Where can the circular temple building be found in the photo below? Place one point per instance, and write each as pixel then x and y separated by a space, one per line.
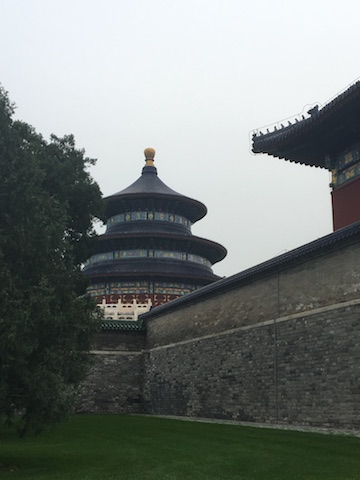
pixel 148 251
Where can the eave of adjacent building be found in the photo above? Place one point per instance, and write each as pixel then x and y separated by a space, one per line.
pixel 310 141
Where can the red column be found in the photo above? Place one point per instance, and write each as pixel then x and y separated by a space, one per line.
pixel 346 204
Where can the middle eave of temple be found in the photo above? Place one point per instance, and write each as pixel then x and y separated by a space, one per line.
pixel 197 245
pixel 325 132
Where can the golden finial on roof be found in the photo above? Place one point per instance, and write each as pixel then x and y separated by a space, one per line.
pixel 149 157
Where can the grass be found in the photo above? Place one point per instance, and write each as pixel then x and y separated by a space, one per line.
pixel 134 447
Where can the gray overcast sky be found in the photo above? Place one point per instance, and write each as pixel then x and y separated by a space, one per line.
pixel 191 78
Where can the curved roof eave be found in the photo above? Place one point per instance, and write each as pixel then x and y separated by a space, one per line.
pixel 308 141
pixel 150 185
pixel 216 251
pixel 175 270
pixel 195 209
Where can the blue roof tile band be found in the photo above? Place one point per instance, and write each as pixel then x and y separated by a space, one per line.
pixel 123 325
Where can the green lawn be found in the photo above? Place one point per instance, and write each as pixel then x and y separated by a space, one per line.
pixel 134 447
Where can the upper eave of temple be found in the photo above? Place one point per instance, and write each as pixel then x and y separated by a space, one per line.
pixel 149 186
pixel 315 139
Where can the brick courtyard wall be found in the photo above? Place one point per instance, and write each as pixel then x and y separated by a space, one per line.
pixel 114 382
pixel 279 346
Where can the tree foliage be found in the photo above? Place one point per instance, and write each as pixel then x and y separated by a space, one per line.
pixel 48 202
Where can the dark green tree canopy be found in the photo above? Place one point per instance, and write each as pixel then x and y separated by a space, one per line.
pixel 48 202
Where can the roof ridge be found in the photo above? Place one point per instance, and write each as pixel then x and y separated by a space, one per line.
pixel 261 268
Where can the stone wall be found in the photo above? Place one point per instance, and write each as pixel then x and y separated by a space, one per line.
pixel 114 383
pixel 281 345
pixel 318 368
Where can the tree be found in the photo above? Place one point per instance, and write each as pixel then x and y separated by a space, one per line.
pixel 48 202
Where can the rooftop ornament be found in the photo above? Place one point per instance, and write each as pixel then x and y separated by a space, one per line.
pixel 149 156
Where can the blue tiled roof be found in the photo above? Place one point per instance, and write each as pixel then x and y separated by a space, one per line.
pixel 150 185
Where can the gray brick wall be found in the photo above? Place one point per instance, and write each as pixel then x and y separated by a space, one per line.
pixel 302 371
pixel 318 369
pixel 229 376
pixel 281 348
pixel 114 382
pixel 284 348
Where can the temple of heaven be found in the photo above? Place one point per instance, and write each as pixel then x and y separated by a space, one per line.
pixel 148 251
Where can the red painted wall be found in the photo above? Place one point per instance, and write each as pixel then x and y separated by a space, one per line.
pixel 346 204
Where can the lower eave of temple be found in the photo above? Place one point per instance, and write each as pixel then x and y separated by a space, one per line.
pixel 198 278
